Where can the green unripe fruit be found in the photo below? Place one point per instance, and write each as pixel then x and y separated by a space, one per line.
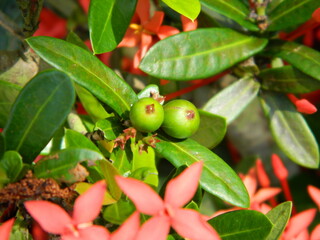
pixel 181 119
pixel 146 115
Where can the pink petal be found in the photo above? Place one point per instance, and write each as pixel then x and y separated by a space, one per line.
pixel 316 15
pixel 156 228
pixel 314 194
pixel 181 189
pixel 130 39
pixel 304 235
pixel 189 224
pixel 279 168
pixel 143 10
pixel 93 232
pixel 51 217
pixel 264 194
pixel 262 174
pixel 146 41
pixel 146 200
pixel 299 223
pixel 129 229
pixel 304 106
pixel 315 234
pixel 155 22
pixel 250 181
pixel 188 24
pixel 88 205
pixel 166 31
pixel 5 229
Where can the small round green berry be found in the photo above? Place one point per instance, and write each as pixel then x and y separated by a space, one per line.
pixel 181 119
pixel 146 115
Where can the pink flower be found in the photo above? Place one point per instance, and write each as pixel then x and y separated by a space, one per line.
pixel 169 212
pixel 314 193
pixel 5 229
pixel 302 105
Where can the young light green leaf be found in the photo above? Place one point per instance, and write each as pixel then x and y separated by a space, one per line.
pixel 290 130
pixel 11 162
pixel 75 139
pixel 305 59
pixel 117 213
pixel 120 159
pixel 87 71
pixel 211 131
pixel 188 8
pixel 279 216
pixel 111 127
pixel 291 13
pixel 287 79
pixel 199 54
pixel 217 178
pixel 34 117
pixel 233 9
pixel 242 224
pixel 231 101
pixel 108 22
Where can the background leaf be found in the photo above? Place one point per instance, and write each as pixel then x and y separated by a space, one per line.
pixel 290 130
pixel 241 224
pixel 290 13
pixel 188 8
pixel 233 9
pixel 217 177
pixel 108 22
pixel 75 139
pixel 82 187
pixel 34 117
pixel 231 101
pixel 111 127
pixel 199 54
pixel 87 71
pixel 211 131
pixel 117 213
pixel 11 162
pixel 288 79
pixel 279 216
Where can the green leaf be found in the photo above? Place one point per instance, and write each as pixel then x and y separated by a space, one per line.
pixel 291 13
pixel 59 165
pixel 233 9
pixel 305 59
pixel 217 178
pixel 11 162
pixel 40 109
pixel 87 71
pixel 232 100
pixel 199 54
pixel 148 91
pixel 241 224
pixel 75 139
pixel 211 131
pixel 188 8
pixel 8 93
pixel 288 79
pixel 279 216
pixel 82 187
pixel 290 130
pixel 120 159
pixel 108 22
pixel 117 213
pixel 2 145
pixel 76 40
pixel 111 127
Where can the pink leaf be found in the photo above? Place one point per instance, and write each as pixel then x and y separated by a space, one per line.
pixel 5 229
pixel 264 194
pixel 51 217
pixel 315 235
pixel 156 228
pixel 88 205
pixel 314 194
pixel 146 200
pixel 189 224
pixel 181 189
pixel 129 229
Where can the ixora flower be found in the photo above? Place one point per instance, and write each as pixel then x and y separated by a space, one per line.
pixel 53 219
pixel 5 229
pixel 188 223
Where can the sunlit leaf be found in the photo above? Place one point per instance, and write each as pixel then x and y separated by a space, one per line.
pixel 83 187
pixel 188 8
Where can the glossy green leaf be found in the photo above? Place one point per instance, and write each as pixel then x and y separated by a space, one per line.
pixel 8 93
pixel 279 216
pixel 145 160
pixel 305 59
pixel 108 22
pixel 59 165
pixel 241 224
pixel 120 159
pixel 199 54
pixel 117 213
pixel 233 9
pixel 76 40
pixel 231 101
pixel 291 13
pixel 148 91
pixel 111 127
pixel 288 79
pixel 218 178
pixel 34 117
pixel 75 139
pixel 2 145
pixel 11 162
pixel 211 131
pixel 290 130
pixel 188 8
pixel 87 71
